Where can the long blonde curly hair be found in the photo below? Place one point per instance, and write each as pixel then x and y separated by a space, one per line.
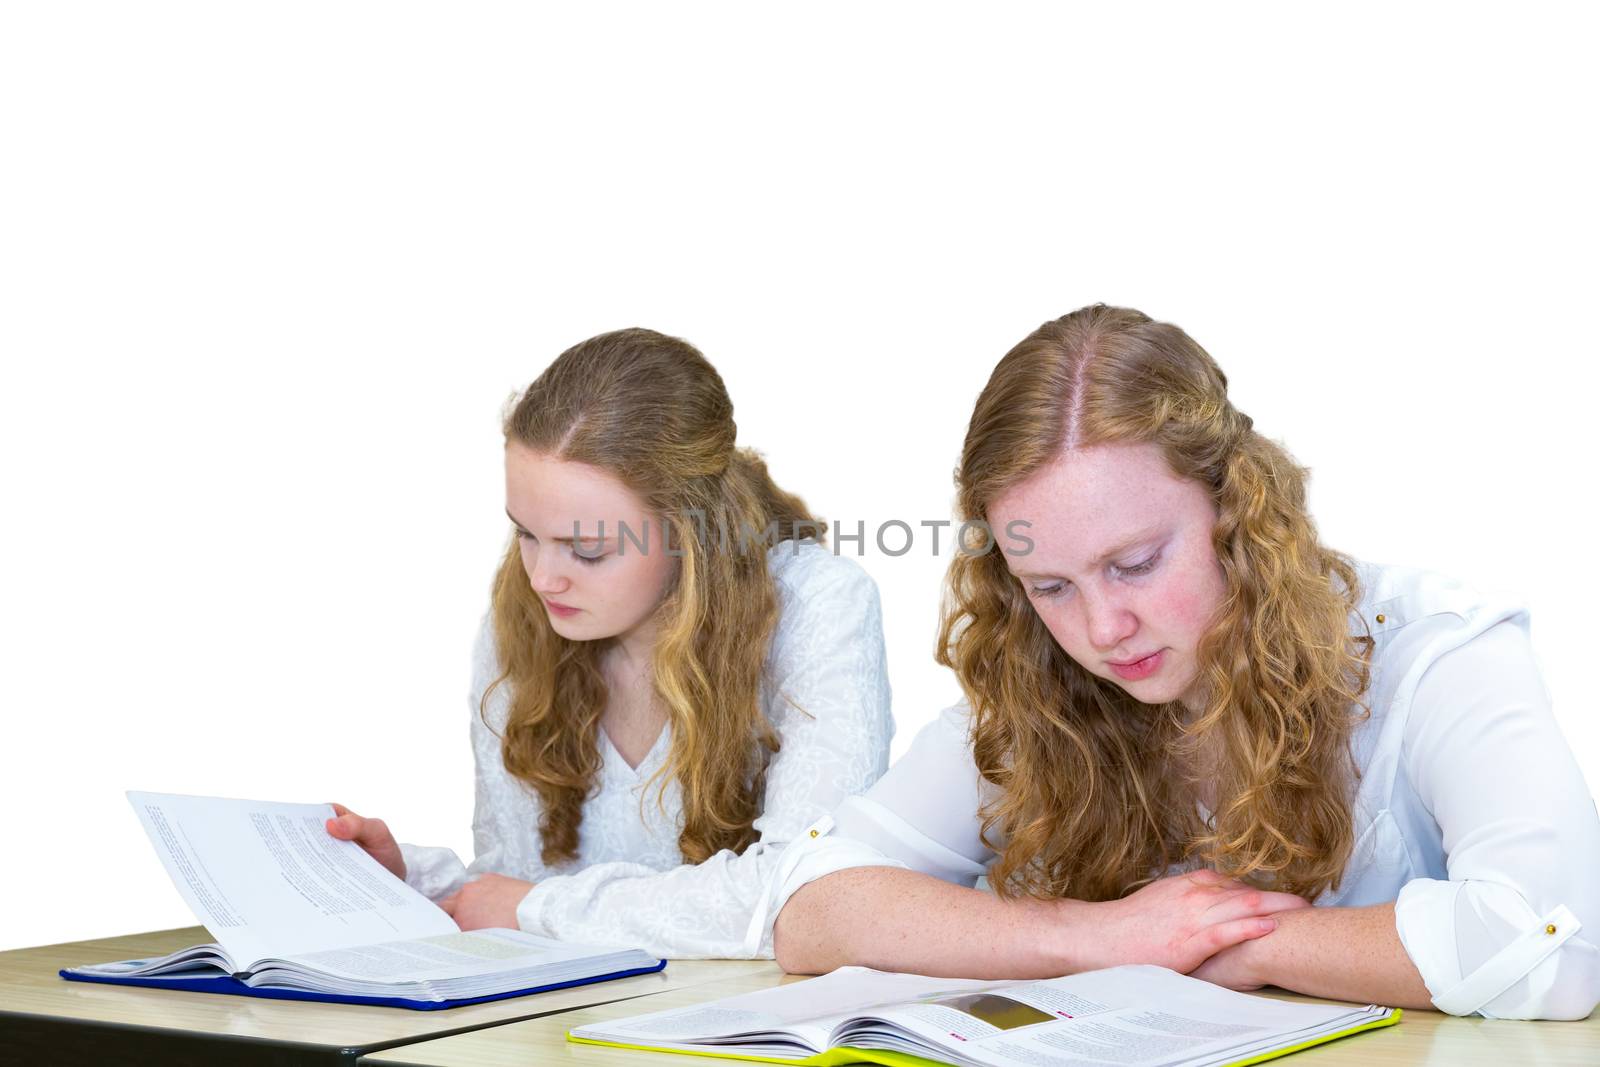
pixel 651 410
pixel 1096 792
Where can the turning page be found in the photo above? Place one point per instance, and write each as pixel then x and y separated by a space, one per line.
pixel 268 880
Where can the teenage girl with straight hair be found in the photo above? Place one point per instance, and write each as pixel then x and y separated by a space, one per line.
pixel 674 678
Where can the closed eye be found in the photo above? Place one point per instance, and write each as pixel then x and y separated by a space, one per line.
pixel 590 556
pixel 1141 568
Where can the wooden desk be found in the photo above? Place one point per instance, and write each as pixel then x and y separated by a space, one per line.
pixel 46 1019
pixel 1423 1037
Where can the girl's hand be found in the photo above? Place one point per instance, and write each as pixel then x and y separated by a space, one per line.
pixel 1233 967
pixel 488 901
pixel 1178 922
pixel 372 835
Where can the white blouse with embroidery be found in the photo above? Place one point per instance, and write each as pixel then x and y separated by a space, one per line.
pixel 1471 813
pixel 630 884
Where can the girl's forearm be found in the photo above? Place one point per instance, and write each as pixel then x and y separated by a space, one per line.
pixel 899 920
pixel 1349 954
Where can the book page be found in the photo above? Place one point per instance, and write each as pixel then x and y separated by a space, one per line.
pixel 446 956
pixel 267 879
pixel 1135 1015
pixel 807 1010
pixel 1138 1016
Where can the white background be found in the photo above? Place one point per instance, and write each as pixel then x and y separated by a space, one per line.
pixel 268 274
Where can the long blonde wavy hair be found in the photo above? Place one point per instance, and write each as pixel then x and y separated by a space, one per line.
pixel 1095 791
pixel 652 411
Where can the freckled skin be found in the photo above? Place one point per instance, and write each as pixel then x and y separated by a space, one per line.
pixel 1080 506
pixel 1089 501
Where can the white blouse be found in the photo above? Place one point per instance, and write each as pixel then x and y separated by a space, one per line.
pixel 629 884
pixel 1471 812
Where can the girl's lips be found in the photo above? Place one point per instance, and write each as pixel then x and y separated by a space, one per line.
pixel 560 609
pixel 1143 668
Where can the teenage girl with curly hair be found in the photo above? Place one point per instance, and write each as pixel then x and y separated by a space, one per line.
pixel 1186 718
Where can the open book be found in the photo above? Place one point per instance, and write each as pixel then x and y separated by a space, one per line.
pixel 1136 1016
pixel 299 914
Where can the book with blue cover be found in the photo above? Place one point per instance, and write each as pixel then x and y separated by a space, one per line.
pixel 301 915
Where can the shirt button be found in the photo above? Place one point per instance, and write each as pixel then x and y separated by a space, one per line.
pixel 1380 618
pixel 1550 928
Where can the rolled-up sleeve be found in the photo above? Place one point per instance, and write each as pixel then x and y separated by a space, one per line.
pixel 922 815
pixel 1511 932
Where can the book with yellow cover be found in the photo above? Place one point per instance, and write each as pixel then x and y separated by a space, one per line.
pixel 1135 1016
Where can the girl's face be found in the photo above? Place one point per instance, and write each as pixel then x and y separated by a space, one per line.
pixel 1122 570
pixel 592 586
